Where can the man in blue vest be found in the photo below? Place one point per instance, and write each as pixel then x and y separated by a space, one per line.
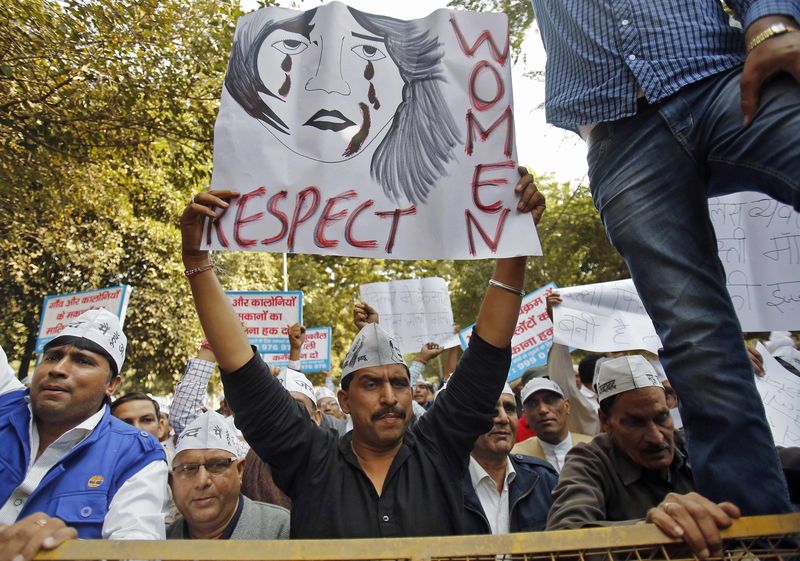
pixel 66 457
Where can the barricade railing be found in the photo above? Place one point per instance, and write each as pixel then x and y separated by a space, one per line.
pixel 755 538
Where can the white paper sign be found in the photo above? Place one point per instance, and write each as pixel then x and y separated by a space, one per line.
pixel 604 317
pixel 348 133
pixel 758 242
pixel 533 335
pixel 60 309
pixel 780 392
pixel 414 311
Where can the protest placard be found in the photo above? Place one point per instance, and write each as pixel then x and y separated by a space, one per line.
pixel 59 309
pixel 758 242
pixel 414 311
pixel 267 317
pixel 353 134
pixel 315 356
pixel 533 335
pixel 780 392
pixel 604 317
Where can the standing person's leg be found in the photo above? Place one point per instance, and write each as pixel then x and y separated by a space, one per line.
pixel 651 194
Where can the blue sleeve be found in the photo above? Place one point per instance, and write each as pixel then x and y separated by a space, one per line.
pixel 751 10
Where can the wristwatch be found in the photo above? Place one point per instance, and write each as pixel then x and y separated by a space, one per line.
pixel 778 28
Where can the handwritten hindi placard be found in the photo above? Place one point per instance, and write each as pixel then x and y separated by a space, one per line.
pixel 315 356
pixel 414 311
pixel 267 317
pixel 758 242
pixel 350 133
pixel 780 392
pixel 59 309
pixel 533 335
pixel 604 317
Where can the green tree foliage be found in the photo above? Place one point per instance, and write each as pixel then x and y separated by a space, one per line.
pixel 106 120
pixel 106 125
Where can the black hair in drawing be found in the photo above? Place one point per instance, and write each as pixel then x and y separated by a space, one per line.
pixel 419 143
pixel 242 79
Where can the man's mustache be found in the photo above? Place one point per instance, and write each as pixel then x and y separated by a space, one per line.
pixel 657 448
pixel 389 410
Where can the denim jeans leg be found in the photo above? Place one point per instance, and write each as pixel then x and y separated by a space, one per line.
pixel 650 189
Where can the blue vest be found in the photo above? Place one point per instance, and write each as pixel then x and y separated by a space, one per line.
pixel 79 488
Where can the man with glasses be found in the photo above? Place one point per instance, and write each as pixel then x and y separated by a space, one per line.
pixel 206 483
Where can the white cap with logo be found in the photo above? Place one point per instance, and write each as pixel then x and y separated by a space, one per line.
pixel 540 384
pixel 295 381
pixel 102 328
pixel 623 374
pixel 371 347
pixel 209 431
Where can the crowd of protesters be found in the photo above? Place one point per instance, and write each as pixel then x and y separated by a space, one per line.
pixel 614 439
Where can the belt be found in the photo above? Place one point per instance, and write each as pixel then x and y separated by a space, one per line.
pixel 601 131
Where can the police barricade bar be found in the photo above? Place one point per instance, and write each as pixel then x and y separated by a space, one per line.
pixel 762 538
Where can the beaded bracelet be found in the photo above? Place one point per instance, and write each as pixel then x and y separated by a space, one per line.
pixel 509 288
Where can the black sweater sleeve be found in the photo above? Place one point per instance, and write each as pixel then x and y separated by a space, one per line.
pixel 277 428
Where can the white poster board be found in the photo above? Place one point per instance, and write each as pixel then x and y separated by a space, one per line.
pixel 780 392
pixel 59 309
pixel 315 356
pixel 348 133
pixel 533 335
pixel 758 242
pixel 604 317
pixel 267 317
pixel 414 311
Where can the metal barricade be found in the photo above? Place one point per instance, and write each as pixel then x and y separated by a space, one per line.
pixel 756 538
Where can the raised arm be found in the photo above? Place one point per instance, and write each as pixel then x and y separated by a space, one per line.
pixel 222 327
pixel 297 336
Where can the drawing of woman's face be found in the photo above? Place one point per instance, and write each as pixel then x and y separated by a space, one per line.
pixel 336 89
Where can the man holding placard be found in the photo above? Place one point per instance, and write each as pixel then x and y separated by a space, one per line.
pixel 380 480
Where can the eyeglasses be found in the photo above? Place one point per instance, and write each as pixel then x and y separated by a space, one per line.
pixel 213 467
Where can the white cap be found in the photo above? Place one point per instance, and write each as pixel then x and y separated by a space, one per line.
pixel 295 381
pixel 507 389
pixel 324 392
pixel 656 364
pixel 163 403
pixel 100 327
pixel 540 384
pixel 371 347
pixel 209 431
pixel 4 366
pixel 623 374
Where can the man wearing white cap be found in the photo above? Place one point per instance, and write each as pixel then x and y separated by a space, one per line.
pixel 206 482
pixel 506 492
pixel 547 411
pixel 327 403
pixel 67 456
pixel 379 480
pixel 301 390
pixel 638 469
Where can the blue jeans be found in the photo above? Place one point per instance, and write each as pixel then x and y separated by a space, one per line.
pixel 650 179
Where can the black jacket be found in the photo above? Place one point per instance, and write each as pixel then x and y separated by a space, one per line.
pixel 529 497
pixel 331 496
